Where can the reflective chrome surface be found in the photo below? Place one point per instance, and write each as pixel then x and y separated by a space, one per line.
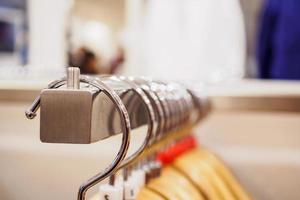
pixel 82 109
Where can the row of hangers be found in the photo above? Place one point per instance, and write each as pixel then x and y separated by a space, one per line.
pixel 193 173
pixel 181 171
pixel 167 165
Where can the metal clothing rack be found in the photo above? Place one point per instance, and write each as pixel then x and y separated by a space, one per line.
pixel 83 109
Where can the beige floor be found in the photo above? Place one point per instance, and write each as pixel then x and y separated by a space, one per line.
pixel 262 148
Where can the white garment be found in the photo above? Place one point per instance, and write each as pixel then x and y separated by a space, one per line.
pixel 191 39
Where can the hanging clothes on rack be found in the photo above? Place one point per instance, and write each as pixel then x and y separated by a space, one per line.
pixel 195 173
pixel 167 165
pixel 278 43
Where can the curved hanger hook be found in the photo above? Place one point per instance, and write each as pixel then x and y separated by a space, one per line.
pixel 145 86
pixel 160 90
pixel 154 88
pixel 203 105
pixel 31 113
pixel 114 166
pixel 152 125
pixel 34 107
pixel 175 106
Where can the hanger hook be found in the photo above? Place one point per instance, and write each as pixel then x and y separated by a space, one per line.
pixel 152 125
pixel 31 113
pixel 113 167
pixel 34 107
pixel 146 87
pixel 126 129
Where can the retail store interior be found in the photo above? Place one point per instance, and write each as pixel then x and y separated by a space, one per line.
pixel 241 57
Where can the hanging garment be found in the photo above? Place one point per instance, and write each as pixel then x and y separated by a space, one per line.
pixel 206 37
pixel 196 175
pixel 203 176
pixel 173 185
pixel 278 47
pixel 147 194
pixel 223 172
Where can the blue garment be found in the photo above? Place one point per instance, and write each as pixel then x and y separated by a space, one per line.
pixel 278 48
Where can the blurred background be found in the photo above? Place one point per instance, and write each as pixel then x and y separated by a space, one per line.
pixel 245 55
pixel 213 41
pixel 199 40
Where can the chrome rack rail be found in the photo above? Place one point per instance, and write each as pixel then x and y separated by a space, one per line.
pixel 82 109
